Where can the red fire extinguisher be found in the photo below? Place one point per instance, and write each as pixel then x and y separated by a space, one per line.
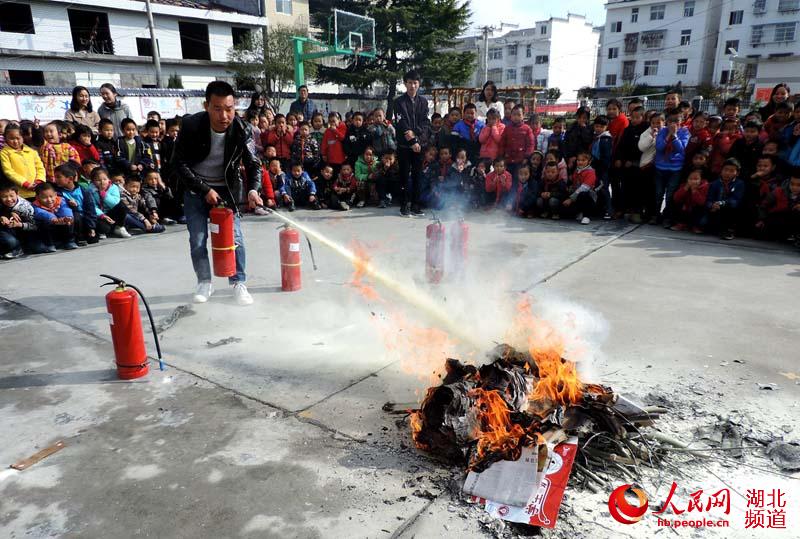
pixel 290 258
pixel 459 243
pixel 434 251
pixel 223 247
pixel 126 329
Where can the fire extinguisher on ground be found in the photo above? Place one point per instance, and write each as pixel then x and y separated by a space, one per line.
pixel 126 329
pixel 291 263
pixel 223 245
pixel 434 251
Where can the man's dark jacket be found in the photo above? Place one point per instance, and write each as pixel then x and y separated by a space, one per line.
pixel 193 145
pixel 411 114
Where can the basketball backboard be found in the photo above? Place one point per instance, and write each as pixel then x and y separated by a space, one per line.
pixel 353 33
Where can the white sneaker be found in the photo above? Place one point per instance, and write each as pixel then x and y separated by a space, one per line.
pixel 261 210
pixel 585 221
pixel 203 292
pixel 241 294
pixel 122 232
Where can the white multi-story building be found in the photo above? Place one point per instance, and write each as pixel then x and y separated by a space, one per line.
pixel 764 37
pixel 554 53
pixel 660 42
pixel 88 42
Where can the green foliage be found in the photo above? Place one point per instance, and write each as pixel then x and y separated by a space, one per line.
pixel 586 92
pixel 709 91
pixel 552 94
pixel 175 81
pixel 409 34
pixel 273 72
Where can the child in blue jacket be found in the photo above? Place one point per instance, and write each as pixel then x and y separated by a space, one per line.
pixel 671 143
pixel 111 212
pixel 80 201
pixel 301 188
pixel 724 201
pixel 54 219
pixel 602 148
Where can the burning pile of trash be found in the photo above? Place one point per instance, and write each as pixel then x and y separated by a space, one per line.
pixel 523 424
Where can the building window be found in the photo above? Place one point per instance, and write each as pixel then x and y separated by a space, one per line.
pixel 653 39
pixel 732 44
pixel 542 59
pixel 750 71
pixel 736 17
pixel 683 64
pixel 20 77
pixel 17 18
pixel 194 41
pixel 511 75
pixel 528 51
pixel 543 30
pixel 144 46
pixel 90 32
pixel 512 50
pixel 628 70
pixel 631 42
pixel 657 12
pixel 283 6
pixel 613 52
pixel 540 82
pixel 527 75
pixel 616 27
pixel 686 37
pixel 688 8
pixel 724 76
pixel 756 35
pixel 496 54
pixel 784 32
pixel 650 68
pixel 611 80
pixel 789 5
pixel 495 74
pixel 241 36
pixel 760 6
pixel 635 14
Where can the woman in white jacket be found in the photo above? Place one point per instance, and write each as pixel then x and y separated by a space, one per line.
pixel 488 100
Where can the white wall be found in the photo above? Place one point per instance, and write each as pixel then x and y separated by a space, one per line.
pixel 573 58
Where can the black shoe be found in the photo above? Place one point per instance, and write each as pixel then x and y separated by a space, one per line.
pixel 82 243
pixel 728 235
pixel 291 207
pixel 383 204
pixel 405 210
pixel 416 211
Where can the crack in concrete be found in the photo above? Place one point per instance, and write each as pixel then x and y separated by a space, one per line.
pixel 585 255
pixel 410 521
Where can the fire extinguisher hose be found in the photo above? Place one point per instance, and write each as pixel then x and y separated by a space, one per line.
pixel 119 282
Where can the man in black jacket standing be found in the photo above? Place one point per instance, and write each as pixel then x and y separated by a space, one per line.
pixel 413 130
pixel 207 154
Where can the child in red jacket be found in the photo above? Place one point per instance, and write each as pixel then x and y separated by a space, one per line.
pixel 582 198
pixel 82 142
pixel 722 143
pixel 516 142
pixel 333 143
pixel 281 138
pixel 690 203
pixel 773 202
pixel 498 183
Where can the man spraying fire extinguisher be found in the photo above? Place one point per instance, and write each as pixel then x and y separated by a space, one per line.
pixel 207 154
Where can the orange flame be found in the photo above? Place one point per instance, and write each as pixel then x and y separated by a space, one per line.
pixel 360 265
pixel 496 433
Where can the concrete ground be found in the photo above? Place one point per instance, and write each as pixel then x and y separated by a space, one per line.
pixel 280 432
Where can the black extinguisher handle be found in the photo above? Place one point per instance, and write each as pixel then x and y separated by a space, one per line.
pixel 310 250
pixel 119 282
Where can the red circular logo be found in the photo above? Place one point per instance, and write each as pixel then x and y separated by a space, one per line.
pixel 624 512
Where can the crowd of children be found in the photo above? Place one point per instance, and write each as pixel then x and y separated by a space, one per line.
pixel 64 185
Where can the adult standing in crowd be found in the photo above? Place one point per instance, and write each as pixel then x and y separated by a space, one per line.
pixel 780 93
pixel 210 147
pixel 260 104
pixel 80 109
pixel 303 104
pixel 413 128
pixel 113 108
pixel 488 100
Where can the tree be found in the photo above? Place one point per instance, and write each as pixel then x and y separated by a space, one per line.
pixel 552 94
pixel 273 72
pixel 586 92
pixel 175 81
pixel 408 34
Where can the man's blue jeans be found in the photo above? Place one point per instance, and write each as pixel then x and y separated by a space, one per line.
pixel 196 211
